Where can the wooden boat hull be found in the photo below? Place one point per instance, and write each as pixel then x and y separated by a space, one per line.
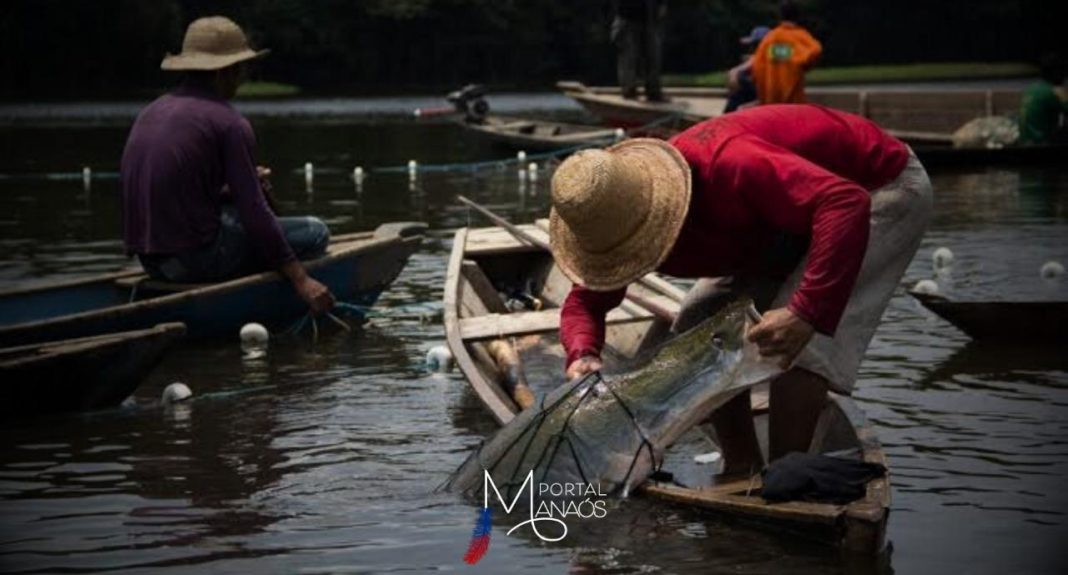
pixel 683 110
pixel 925 118
pixel 1002 321
pixel 80 374
pixel 487 262
pixel 921 110
pixel 540 135
pixel 357 268
pixel 935 155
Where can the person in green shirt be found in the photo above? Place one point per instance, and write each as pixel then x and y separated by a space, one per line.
pixel 1043 108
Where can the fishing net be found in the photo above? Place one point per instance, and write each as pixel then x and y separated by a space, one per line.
pixel 571 440
pixel 610 431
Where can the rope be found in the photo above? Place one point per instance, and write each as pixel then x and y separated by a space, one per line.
pixel 352 310
pixel 586 388
pixel 424 168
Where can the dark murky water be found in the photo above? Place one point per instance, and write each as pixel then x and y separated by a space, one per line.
pixel 325 458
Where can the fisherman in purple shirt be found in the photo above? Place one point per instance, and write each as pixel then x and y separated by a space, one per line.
pixel 194 204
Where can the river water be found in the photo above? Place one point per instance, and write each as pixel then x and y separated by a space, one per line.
pixel 325 458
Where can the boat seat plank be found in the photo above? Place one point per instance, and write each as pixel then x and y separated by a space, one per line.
pixel 719 498
pixel 496 325
pixel 486 241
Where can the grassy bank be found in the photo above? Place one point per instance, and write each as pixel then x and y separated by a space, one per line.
pixel 938 71
pixel 267 90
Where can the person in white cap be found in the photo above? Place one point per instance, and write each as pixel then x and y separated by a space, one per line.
pixel 194 207
pixel 815 213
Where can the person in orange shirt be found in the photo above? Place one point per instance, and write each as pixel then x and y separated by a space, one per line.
pixel 783 57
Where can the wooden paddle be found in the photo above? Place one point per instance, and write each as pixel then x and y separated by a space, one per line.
pixel 657 310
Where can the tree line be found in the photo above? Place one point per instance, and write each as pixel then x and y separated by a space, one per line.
pixel 67 49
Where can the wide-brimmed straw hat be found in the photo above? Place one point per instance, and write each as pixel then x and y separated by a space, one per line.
pixel 211 43
pixel 617 212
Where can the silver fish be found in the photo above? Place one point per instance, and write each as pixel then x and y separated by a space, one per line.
pixel 612 431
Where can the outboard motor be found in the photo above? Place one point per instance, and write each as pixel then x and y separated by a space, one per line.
pixel 470 101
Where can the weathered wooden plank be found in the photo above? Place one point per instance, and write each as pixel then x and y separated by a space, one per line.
pixel 482 288
pixel 474 368
pixel 710 498
pixel 494 325
pixel 487 241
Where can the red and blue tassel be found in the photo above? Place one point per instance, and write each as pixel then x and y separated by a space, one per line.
pixel 480 537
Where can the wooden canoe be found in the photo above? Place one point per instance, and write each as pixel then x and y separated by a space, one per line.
pixel 925 118
pixel 356 268
pixel 541 135
pixel 1030 321
pixel 685 108
pixel 916 111
pixel 947 155
pixel 488 262
pixel 80 374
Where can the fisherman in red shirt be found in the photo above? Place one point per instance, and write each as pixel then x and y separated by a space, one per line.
pixel 815 213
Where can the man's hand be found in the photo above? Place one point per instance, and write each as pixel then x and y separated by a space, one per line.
pixel 781 333
pixel 315 294
pixel 582 366
pixel 264 175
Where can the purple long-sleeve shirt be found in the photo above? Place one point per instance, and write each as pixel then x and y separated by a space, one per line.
pixel 181 150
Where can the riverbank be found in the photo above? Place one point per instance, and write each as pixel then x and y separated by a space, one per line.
pixel 892 73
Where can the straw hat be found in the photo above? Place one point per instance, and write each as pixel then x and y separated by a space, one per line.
pixel 617 212
pixel 211 43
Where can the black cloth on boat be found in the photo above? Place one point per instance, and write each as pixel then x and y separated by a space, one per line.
pixel 811 477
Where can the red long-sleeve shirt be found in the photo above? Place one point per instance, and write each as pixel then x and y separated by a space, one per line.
pixel 798 169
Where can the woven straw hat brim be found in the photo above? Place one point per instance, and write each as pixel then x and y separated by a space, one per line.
pixel 203 61
pixel 646 249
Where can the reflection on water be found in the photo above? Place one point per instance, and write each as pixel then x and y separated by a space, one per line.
pixel 326 458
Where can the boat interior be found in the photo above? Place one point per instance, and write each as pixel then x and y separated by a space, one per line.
pixel 508 290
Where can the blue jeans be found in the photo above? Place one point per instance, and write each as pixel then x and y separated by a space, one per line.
pixel 232 254
pixel 745 93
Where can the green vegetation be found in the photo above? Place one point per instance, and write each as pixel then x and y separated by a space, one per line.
pixel 114 47
pixel 886 73
pixel 267 90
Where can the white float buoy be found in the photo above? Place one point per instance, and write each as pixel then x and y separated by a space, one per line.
pixel 413 167
pixel 87 178
pixel 357 178
pixel 417 112
pixel 707 458
pixel 929 287
pixel 1052 270
pixel 942 258
pixel 439 359
pixel 532 170
pixel 521 157
pixel 620 134
pixel 176 392
pixel 309 176
pixel 254 337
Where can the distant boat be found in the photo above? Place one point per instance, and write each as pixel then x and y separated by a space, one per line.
pixel 687 106
pixel 80 374
pixel 482 319
pixel 1028 321
pixel 1020 155
pixel 541 135
pixel 356 268
pixel 924 118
